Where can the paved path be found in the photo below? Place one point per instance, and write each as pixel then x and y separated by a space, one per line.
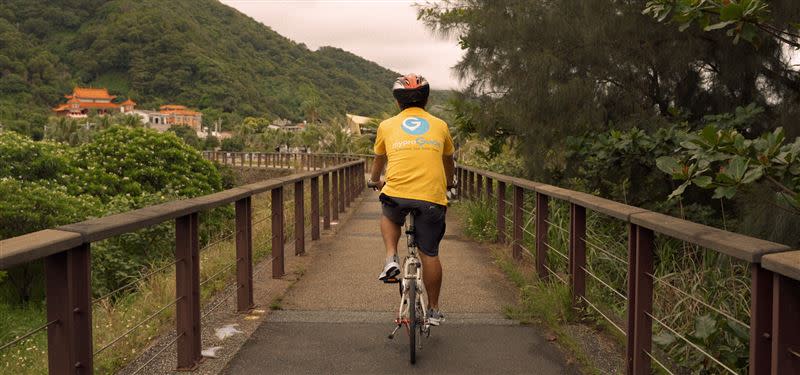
pixel 336 318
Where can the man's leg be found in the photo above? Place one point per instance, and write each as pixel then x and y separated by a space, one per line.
pixel 391 235
pixel 432 277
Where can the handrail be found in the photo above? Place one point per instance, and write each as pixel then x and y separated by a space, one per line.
pixel 66 250
pixel 775 269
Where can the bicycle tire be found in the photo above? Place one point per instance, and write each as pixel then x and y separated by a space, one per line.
pixel 412 322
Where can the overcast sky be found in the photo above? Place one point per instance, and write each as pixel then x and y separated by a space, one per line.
pixel 384 31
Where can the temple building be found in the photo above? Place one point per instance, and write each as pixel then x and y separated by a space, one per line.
pixel 84 100
pixel 180 115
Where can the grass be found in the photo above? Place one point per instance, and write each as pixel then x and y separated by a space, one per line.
pixel 684 274
pixel 112 318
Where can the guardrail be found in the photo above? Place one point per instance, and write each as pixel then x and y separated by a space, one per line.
pixel 66 251
pixel 282 159
pixel 774 325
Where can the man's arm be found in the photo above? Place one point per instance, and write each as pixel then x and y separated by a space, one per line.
pixel 377 169
pixel 449 168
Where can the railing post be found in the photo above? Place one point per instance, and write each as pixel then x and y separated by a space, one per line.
pixel 299 218
pixel 631 315
pixel 643 301
pixel 277 232
pixel 68 283
pixel 335 195
pixel 315 208
pixel 346 187
pixel 577 254
pixel 259 159
pixel 489 189
pixel 250 156
pixel 244 255
pixel 518 202
pixel 478 186
pixel 326 201
pixel 187 290
pixel 501 211
pixel 241 156
pixel 785 325
pixel 225 158
pixel 342 198
pixel 542 212
pixel 760 319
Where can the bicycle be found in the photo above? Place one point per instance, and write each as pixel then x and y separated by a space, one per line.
pixel 412 292
pixel 412 289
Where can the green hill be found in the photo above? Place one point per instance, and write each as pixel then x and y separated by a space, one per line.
pixel 200 53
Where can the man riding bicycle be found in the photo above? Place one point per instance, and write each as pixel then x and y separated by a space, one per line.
pixel 419 151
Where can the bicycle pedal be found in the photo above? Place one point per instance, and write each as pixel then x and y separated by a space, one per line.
pixel 391 280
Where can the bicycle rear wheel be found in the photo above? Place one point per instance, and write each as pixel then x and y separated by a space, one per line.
pixel 412 322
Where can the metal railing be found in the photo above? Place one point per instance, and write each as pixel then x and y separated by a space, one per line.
pixel 66 252
pixel 774 326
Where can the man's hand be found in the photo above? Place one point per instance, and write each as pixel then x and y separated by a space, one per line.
pixel 376 185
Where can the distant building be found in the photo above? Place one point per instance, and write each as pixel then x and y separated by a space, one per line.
pixel 355 122
pixel 84 100
pixel 180 115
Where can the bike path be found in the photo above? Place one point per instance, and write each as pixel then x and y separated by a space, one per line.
pixel 336 319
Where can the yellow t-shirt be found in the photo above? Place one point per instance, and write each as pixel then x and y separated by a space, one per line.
pixel 414 142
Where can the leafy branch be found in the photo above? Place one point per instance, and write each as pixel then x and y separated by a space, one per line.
pixel 723 160
pixel 743 19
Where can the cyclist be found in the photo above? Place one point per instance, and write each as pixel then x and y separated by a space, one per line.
pixel 419 151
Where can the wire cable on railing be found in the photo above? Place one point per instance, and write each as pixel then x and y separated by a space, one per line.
pixel 134 282
pixel 699 349
pixel 604 283
pixel 218 241
pixel 528 232
pixel 604 315
pixel 659 363
pixel 215 275
pixel 556 226
pixel 527 211
pixel 606 252
pixel 794 353
pixel 154 356
pixel 712 308
pixel 26 335
pixel 556 251
pixel 221 300
pixel 555 274
pixel 141 323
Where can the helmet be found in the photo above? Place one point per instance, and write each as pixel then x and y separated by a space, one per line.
pixel 411 88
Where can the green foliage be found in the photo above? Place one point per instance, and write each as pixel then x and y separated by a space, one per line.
pixel 188 135
pixel 134 161
pixel 587 67
pixel 480 220
pixel 729 339
pixel 203 54
pixel 725 161
pixel 28 206
pixel 742 19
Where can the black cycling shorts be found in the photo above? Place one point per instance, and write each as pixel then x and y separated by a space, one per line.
pixel 428 220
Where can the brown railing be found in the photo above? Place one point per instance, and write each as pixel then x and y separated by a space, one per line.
pixel 774 343
pixel 66 252
pixel 284 160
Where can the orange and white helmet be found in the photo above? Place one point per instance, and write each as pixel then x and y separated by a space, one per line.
pixel 411 88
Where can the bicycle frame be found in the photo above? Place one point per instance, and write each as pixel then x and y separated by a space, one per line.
pixel 412 273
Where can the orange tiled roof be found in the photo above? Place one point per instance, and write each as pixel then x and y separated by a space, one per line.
pixel 61 108
pixel 86 92
pixel 172 107
pixel 128 102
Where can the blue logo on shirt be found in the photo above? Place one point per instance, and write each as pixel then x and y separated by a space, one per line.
pixel 415 125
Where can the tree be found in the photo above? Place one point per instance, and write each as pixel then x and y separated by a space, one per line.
pixel 188 135
pixel 538 71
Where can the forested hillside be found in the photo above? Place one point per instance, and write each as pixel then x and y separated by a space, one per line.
pixel 199 53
